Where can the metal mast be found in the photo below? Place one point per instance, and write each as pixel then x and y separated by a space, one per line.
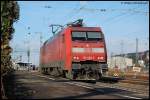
pixel 137 51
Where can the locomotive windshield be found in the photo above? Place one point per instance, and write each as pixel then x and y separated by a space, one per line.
pixel 87 36
pixel 78 36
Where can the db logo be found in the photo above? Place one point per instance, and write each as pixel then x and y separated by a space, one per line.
pixel 87 45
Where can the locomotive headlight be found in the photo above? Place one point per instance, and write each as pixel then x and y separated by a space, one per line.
pixel 100 57
pixel 78 50
pixel 75 57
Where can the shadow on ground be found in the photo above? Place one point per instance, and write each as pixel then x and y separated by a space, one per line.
pixel 15 90
pixel 103 91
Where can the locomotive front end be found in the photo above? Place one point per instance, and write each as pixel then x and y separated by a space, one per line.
pixel 89 57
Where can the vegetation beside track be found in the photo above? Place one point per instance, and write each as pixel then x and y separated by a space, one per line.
pixel 9 15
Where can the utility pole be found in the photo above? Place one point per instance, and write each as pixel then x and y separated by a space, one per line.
pixel 28 51
pixel 111 60
pixel 122 44
pixel 136 51
pixel 136 62
pixel 20 58
pixel 122 63
pixel 41 38
pixel 28 54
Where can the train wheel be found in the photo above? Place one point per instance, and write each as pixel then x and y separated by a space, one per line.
pixel 42 70
pixel 100 75
pixel 56 72
pixel 64 74
pixel 60 71
pixel 69 75
pixel 97 75
pixel 53 71
pixel 75 75
pixel 104 73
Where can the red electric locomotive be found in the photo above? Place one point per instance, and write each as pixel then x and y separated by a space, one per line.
pixel 75 52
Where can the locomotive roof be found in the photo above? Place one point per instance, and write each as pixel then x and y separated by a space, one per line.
pixel 85 28
pixel 75 29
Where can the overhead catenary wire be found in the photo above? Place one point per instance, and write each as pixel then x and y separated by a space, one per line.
pixel 125 12
pixel 70 17
pixel 73 13
pixel 115 10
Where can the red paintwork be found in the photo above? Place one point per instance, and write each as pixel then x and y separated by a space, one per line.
pixel 60 48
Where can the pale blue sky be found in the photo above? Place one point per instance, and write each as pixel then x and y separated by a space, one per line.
pixel 120 22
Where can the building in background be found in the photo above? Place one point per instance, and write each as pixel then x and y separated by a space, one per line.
pixel 127 61
pixel 121 63
pixel 23 66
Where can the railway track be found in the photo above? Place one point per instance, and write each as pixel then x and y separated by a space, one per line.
pixel 101 86
pixel 127 87
pixel 121 80
pixel 108 79
pixel 107 82
pixel 46 86
pixel 141 89
pixel 135 81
